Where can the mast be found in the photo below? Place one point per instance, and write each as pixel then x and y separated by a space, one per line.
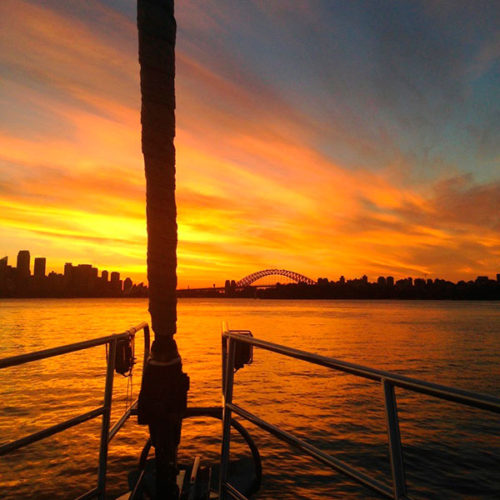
pixel 162 400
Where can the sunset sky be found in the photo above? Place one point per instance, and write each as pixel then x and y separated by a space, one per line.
pixel 325 137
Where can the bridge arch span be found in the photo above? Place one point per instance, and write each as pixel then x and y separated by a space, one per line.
pixel 299 278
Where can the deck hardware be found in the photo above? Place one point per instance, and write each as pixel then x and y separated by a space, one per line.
pixel 388 380
pixel 125 356
pixel 104 410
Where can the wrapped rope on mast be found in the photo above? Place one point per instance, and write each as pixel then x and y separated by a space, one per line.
pixel 162 400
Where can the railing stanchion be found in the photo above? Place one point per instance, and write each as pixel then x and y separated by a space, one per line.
pixel 104 410
pixel 224 358
pixel 147 342
pixel 226 418
pixel 106 416
pixel 396 453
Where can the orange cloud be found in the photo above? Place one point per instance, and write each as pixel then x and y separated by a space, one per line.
pixel 254 189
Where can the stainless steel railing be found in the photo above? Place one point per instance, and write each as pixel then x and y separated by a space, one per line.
pixel 104 410
pixel 387 380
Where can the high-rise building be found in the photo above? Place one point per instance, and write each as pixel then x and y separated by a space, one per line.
pixel 390 281
pixel 3 271
pixel 23 264
pixel 104 276
pixel 83 275
pixel 127 285
pixel 68 270
pixel 39 267
pixel 116 283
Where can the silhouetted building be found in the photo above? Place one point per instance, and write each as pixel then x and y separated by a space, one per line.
pixel 127 285
pixel 498 278
pixel 39 267
pixel 390 281
pixel 3 265
pixel 77 281
pixel 115 283
pixel 93 281
pixel 69 278
pixel 404 284
pixel 381 281
pixel 3 273
pixel 68 270
pixel 229 288
pixel 56 284
pixel 23 264
pixel 83 275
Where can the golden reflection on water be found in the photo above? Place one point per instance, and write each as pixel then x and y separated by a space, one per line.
pixel 451 343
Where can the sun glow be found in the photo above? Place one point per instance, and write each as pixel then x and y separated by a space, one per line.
pixel 272 171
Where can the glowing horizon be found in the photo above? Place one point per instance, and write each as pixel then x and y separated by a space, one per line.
pixel 320 139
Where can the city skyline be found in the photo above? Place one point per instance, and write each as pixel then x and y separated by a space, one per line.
pixel 357 137
pixel 80 280
pixel 84 280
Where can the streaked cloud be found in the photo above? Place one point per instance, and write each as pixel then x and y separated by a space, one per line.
pixel 326 138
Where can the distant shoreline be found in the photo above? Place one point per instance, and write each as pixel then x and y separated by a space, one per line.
pixel 361 289
pixel 482 288
pixel 222 297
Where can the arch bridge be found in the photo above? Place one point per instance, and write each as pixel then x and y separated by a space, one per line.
pixel 298 278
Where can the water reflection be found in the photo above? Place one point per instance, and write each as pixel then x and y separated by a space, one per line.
pixel 450 343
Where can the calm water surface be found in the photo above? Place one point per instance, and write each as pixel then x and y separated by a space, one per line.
pixel 449 451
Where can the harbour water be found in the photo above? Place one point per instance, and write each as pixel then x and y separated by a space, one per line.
pixel 449 451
